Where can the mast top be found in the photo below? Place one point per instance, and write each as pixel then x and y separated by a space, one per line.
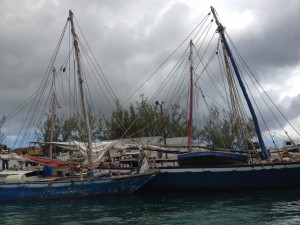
pixel 220 26
pixel 70 13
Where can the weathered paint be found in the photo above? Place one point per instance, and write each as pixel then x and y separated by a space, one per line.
pixel 72 188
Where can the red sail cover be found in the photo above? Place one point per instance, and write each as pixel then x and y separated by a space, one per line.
pixel 48 162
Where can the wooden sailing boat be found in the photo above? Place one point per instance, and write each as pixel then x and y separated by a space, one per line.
pixel 205 157
pixel 16 186
pixel 233 176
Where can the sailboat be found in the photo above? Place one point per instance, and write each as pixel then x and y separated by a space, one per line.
pixel 214 175
pixel 16 187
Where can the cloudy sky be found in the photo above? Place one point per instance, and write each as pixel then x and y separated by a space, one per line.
pixel 131 38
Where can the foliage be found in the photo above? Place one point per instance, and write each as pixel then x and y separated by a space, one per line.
pixel 43 134
pixel 142 119
pixel 146 119
pixel 221 130
pixel 70 129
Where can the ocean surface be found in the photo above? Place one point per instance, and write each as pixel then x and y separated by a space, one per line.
pixel 230 207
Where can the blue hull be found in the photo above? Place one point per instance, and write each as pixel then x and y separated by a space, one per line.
pixel 72 188
pixel 227 177
pixel 211 158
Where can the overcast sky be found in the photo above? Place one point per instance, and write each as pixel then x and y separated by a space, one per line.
pixel 131 38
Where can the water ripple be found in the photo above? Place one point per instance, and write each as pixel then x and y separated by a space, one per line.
pixel 258 207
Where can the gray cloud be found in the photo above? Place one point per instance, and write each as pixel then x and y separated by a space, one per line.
pixel 132 38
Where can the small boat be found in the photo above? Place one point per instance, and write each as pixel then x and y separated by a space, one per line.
pixel 17 186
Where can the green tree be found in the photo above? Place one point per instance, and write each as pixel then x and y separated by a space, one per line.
pixel 145 119
pixel 73 128
pixel 118 123
pixel 43 133
pixel 176 124
pixel 221 130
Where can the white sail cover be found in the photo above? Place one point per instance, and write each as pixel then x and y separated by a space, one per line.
pixel 98 149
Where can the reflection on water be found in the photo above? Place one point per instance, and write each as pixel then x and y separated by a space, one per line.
pixel 247 207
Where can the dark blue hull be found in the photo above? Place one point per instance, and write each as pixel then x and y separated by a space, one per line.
pixel 205 158
pixel 227 177
pixel 72 188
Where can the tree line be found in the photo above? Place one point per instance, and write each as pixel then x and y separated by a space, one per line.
pixel 144 119
pixel 141 119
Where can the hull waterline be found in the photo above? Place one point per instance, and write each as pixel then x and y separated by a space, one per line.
pixel 227 177
pixel 72 188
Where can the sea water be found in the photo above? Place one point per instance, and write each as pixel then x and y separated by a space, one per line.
pixel 230 207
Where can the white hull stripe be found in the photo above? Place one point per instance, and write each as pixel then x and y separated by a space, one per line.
pixel 227 169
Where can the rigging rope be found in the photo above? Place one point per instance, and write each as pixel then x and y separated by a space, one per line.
pixel 126 100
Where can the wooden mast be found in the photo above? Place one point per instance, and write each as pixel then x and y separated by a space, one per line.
pixel 190 128
pixel 83 101
pixel 53 105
